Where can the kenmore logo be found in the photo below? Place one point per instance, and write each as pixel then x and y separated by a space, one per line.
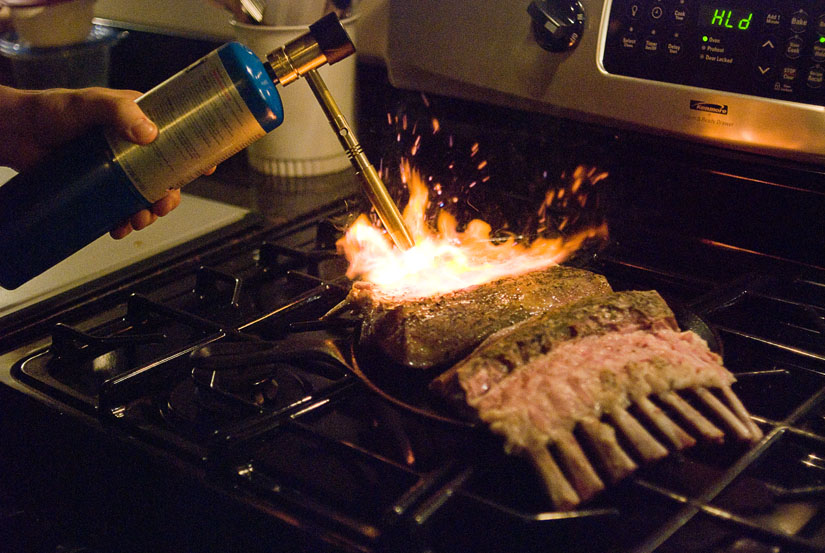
pixel 712 108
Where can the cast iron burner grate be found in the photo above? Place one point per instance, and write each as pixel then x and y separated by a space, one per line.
pixel 288 429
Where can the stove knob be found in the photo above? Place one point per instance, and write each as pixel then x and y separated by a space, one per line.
pixel 557 24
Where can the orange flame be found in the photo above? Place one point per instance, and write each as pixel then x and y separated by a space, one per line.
pixel 445 260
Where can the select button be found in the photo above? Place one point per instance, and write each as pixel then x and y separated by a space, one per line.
pixel 629 41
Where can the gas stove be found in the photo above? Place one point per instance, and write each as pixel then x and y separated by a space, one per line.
pixel 202 402
pixel 122 434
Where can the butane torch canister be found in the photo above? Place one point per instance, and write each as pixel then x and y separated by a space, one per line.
pixel 204 114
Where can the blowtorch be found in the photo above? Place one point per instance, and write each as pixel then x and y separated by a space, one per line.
pixel 327 41
pixel 206 113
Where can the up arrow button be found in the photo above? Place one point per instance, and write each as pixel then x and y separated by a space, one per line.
pixel 767 51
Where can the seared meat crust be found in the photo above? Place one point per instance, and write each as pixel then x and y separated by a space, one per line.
pixel 426 332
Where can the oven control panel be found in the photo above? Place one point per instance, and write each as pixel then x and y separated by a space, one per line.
pixel 767 48
pixel 738 74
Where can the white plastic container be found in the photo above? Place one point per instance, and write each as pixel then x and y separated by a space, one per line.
pixel 303 146
pixel 49 23
pixel 77 65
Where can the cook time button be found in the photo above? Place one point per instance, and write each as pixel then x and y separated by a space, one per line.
pixel 679 13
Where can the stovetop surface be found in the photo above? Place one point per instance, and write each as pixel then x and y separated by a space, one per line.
pixel 134 442
pixel 301 439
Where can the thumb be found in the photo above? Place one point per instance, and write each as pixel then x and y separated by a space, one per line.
pixel 110 108
pixel 140 130
pixel 121 112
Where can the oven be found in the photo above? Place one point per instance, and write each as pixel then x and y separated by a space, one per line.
pixel 201 401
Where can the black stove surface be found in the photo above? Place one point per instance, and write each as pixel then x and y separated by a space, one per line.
pixel 123 429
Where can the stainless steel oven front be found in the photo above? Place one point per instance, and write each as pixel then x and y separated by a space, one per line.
pixel 740 74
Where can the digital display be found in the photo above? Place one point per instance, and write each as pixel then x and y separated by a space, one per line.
pixel 718 16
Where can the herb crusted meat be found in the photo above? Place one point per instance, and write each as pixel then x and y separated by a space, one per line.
pixel 426 332
pixel 516 345
pixel 569 376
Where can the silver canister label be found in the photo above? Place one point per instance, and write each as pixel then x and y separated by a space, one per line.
pixel 202 120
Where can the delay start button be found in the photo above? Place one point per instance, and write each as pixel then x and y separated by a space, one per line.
pixel 673 46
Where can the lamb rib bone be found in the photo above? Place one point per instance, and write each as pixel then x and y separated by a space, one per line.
pixel 677 437
pixel 646 446
pixel 581 367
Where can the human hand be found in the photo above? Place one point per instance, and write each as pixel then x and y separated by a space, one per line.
pixel 32 123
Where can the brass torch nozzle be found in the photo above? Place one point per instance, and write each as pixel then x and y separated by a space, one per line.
pixel 328 42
